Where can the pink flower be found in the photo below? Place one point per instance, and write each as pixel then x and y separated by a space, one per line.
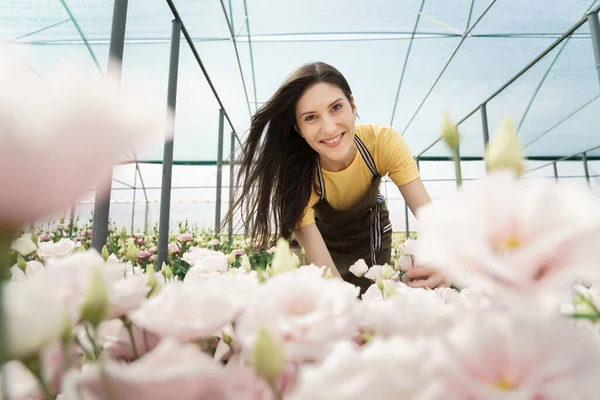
pixel 138 235
pixel 114 339
pixel 405 263
pixel 144 254
pixel 244 384
pixel 139 242
pixel 173 248
pixel 214 242
pixel 187 311
pixel 90 121
pixel 239 252
pixel 171 369
pixel 45 237
pixel 495 355
pixel 185 237
pixel 206 260
pixel 524 235
pixel 304 311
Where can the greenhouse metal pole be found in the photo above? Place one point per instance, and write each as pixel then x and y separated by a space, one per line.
pixel 219 173
pixel 231 183
pixel 585 168
pixel 102 199
pixel 595 32
pixel 555 171
pixel 484 124
pixel 165 189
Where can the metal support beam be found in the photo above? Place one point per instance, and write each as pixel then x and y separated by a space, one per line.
pixel 484 125
pixel 135 174
pixel 585 168
pixel 231 184
pixel 406 223
pixel 219 173
pixel 555 172
pixel 595 31
pixel 165 192
pixel 102 196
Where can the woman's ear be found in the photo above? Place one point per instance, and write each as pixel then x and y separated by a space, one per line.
pixel 353 104
pixel 297 130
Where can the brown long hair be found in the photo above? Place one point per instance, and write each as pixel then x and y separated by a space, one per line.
pixel 277 167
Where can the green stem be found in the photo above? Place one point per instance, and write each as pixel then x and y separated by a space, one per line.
pixel 127 324
pixel 92 341
pixel 34 365
pixel 457 170
pixel 146 340
pixel 82 347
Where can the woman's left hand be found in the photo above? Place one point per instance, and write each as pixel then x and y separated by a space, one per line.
pixel 426 277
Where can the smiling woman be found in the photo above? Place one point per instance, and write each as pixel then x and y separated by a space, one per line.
pixel 310 171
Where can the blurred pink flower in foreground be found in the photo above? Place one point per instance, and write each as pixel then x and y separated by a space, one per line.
pixel 525 235
pixel 496 356
pixel 89 120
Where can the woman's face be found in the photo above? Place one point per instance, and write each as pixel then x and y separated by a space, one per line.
pixel 325 118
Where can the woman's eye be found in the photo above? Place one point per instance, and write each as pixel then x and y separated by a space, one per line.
pixel 337 107
pixel 309 118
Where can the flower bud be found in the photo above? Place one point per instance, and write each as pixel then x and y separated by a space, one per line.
pixel 152 280
pixel 282 259
pixel 105 253
pixel 166 271
pixel 246 263
pixel 21 263
pixel 231 258
pixel 268 357
pixel 388 272
pixel 132 253
pixel 450 132
pixel 504 151
pixel 95 305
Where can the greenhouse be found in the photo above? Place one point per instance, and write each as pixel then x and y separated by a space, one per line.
pixel 484 69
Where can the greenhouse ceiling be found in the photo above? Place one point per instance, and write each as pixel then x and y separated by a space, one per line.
pixel 406 61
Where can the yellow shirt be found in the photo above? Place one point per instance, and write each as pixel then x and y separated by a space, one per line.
pixel 345 189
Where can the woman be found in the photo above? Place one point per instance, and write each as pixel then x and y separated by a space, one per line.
pixel 309 171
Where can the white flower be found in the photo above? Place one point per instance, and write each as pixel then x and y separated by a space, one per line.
pixel 304 311
pixel 377 272
pixel 31 269
pixel 50 250
pixel 359 268
pixel 188 311
pixel 423 313
pixel 33 315
pixel 381 370
pixel 24 245
pixel 205 262
pixel 127 295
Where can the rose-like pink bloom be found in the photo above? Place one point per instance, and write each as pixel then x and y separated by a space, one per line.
pixel 144 254
pixel 139 242
pixel 45 237
pixel 138 235
pixel 383 369
pixel 153 249
pixel 272 250
pixel 405 263
pixel 302 310
pixel 239 252
pixel 187 311
pixel 173 248
pixel 171 369
pixel 91 121
pixel 185 237
pixel 521 235
pixel 495 355
pixel 214 242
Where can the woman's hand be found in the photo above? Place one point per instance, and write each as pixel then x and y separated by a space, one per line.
pixel 426 277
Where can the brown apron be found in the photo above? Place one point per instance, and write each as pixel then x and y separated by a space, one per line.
pixel 364 231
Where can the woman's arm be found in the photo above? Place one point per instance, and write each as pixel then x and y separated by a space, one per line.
pixel 415 195
pixel 310 238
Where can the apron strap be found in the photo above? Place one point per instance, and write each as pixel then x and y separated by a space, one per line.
pixel 321 181
pixel 366 155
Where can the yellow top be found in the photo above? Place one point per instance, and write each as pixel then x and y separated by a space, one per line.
pixel 345 189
